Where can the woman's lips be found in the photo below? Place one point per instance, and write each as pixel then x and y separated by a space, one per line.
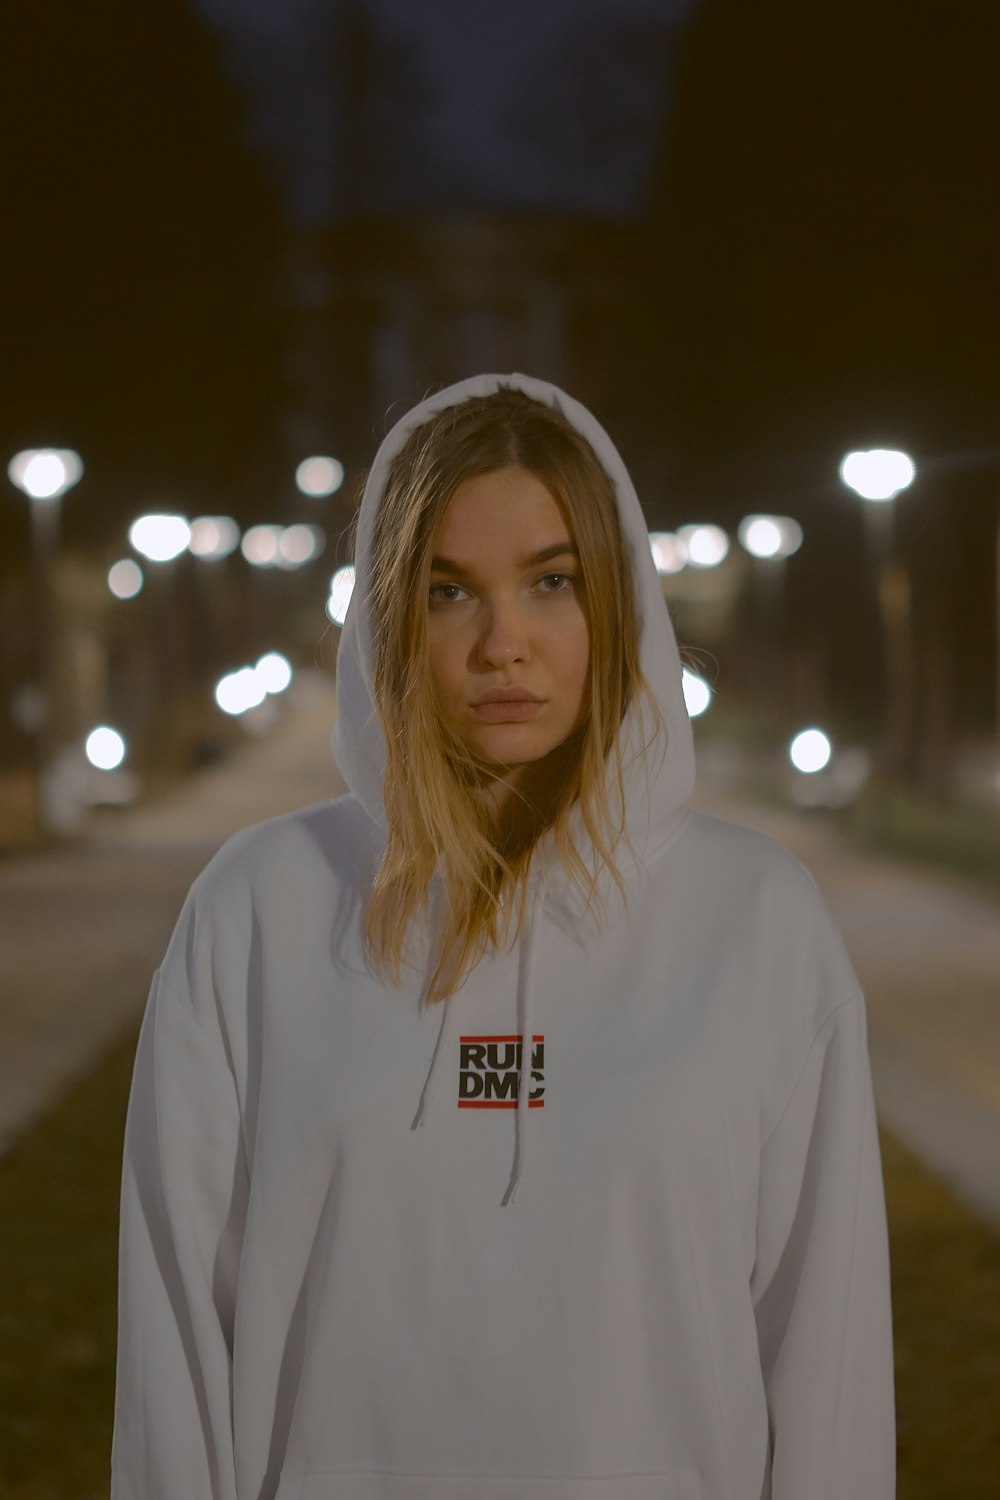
pixel 509 710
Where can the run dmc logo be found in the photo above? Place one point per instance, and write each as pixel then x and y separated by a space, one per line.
pixel 489 1072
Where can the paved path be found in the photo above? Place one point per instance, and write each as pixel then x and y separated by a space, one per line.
pixel 83 929
pixel 927 951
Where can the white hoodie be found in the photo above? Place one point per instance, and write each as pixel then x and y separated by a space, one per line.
pixel 657 1272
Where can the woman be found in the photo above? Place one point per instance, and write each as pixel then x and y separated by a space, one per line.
pixel 641 1256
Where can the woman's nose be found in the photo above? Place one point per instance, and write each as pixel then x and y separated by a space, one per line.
pixel 503 639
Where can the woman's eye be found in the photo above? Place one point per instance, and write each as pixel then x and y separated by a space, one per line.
pixel 445 593
pixel 556 583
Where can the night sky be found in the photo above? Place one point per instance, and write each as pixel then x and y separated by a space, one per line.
pixel 813 187
pixel 553 106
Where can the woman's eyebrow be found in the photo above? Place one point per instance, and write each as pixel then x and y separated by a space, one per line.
pixel 558 549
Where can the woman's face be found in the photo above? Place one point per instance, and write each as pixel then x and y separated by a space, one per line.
pixel 507 622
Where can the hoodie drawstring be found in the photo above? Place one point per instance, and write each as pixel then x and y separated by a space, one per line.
pixel 526 1012
pixel 525 1007
pixel 430 1082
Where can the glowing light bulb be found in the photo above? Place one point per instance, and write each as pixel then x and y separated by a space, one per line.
pixel 877 473
pixel 160 538
pixel 260 545
pixel 213 537
pixel 105 748
pixel 239 691
pixel 45 473
pixel 341 589
pixel 707 546
pixel 319 475
pixel 125 578
pixel 669 553
pixel 697 693
pixel 810 751
pixel 274 672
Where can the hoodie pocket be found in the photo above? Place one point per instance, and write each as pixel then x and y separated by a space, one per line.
pixel 671 1484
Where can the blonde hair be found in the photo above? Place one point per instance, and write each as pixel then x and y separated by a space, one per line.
pixel 437 815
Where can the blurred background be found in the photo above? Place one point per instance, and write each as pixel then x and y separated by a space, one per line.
pixel 759 240
pixel 754 238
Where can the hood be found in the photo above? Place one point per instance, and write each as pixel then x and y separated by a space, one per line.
pixel 659 785
pixel 658 782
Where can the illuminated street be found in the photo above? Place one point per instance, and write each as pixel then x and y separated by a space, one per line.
pixel 85 927
pixel 91 924
pixel 927 952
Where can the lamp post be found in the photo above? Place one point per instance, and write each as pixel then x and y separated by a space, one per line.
pixel 44 475
pixel 878 475
pixel 770 541
pixel 162 538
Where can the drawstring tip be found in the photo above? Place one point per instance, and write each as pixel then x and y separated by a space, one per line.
pixel 510 1196
pixel 418 1118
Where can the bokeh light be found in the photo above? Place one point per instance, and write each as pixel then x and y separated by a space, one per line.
pixel 669 553
pixel 707 546
pixel 341 589
pixel 319 476
pixel 105 748
pixel 274 672
pixel 697 693
pixel 160 538
pixel 810 751
pixel 878 473
pixel 299 544
pixel 125 578
pixel 45 473
pixel 239 691
pixel 770 537
pixel 213 537
pixel 260 545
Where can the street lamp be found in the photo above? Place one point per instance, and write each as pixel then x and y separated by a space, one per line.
pixel 319 476
pixel 105 748
pixel 770 541
pixel 670 555
pixel 697 693
pixel 260 546
pixel 299 544
pixel 44 475
pixel 707 546
pixel 213 537
pixel 770 538
pixel 160 538
pixel 810 751
pixel 341 589
pixel 878 475
pixel 125 578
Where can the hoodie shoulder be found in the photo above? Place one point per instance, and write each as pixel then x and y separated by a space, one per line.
pixel 335 836
pixel 751 871
pixel 745 853
pixel 312 865
pixel 766 909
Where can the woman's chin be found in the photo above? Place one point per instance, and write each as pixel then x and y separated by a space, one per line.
pixel 510 746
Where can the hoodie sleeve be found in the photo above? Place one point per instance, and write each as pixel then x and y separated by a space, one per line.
pixel 821 1280
pixel 183 1206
